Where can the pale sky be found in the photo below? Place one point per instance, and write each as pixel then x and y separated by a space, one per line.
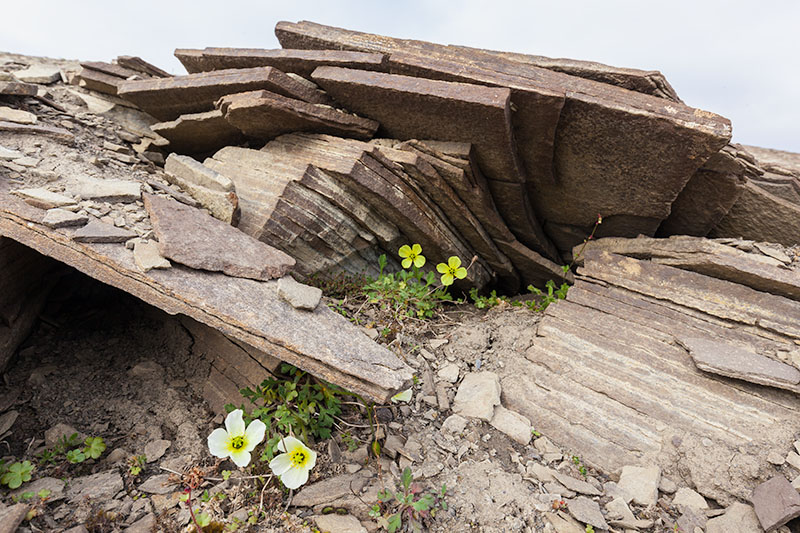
pixel 738 58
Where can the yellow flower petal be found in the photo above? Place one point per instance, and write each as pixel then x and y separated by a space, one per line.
pixel 442 268
pixel 447 279
pixel 454 262
pixel 406 263
pixel 461 273
pixel 417 249
pixel 404 251
pixel 419 261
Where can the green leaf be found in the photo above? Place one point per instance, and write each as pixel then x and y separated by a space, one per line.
pixel 17 474
pixel 94 447
pixel 406 478
pixel 395 522
pixel 43 494
pixel 76 456
pixel 203 519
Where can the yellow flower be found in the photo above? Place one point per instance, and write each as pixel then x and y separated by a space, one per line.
pixel 451 270
pixel 237 442
pixel 412 254
pixel 294 465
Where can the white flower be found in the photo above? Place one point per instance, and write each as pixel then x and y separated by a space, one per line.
pixel 294 465
pixel 237 442
pixel 404 396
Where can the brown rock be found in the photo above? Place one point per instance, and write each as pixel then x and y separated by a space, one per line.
pixel 12 516
pixel 212 190
pixel 140 65
pixel 199 133
pixel 264 115
pixel 101 82
pixel 100 232
pixel 760 216
pixel 18 89
pixel 43 199
pixel 110 69
pixel 302 62
pixel 775 503
pixel 58 134
pixel 168 98
pixel 192 238
pixel 147 256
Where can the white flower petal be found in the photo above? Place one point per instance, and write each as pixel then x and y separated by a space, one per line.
pixel 234 423
pixel 280 464
pixel 240 458
pixel 254 434
pixel 287 444
pixel 218 443
pixel 312 459
pixel 294 477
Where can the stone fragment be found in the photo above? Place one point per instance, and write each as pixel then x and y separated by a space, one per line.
pixel 576 485
pixel 587 511
pixel 563 523
pixel 55 433
pixel 98 80
pixel 477 395
pixel 44 74
pixel 156 449
pixel 334 523
pixel 686 497
pixel 448 373
pixel 512 424
pixel 775 502
pixel 61 218
pixel 17 115
pixel 7 420
pixel 9 155
pixel 265 115
pixel 102 486
pixel 108 190
pixel 211 189
pixel 454 424
pixel 667 486
pixel 190 237
pixel 298 295
pixel 147 256
pixel 738 518
pixel 100 232
pixel 18 89
pixel 199 133
pixel 692 520
pixel 140 65
pixel 168 98
pixel 158 484
pixel 58 134
pixel 146 524
pixel 12 516
pixel 302 62
pixel 735 362
pixel 442 399
pixel 640 484
pixel 325 491
pixel 761 216
pixel 43 199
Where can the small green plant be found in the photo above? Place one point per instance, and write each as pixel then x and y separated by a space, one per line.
pixel 93 449
pixel 486 302
pixel 411 507
pixel 589 529
pixel 295 403
pixel 349 441
pixel 552 295
pixel 16 474
pixel 135 464
pixel 577 462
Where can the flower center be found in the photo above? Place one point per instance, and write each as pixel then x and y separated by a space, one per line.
pixel 237 443
pixel 298 458
pixel 451 271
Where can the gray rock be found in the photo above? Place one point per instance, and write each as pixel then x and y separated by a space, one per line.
pixel 17 115
pixel 738 518
pixel 333 523
pixel 43 199
pixel 61 218
pixel 146 524
pixel 541 472
pixel 554 487
pixel 54 434
pixel 7 420
pixel 100 232
pixel 454 424
pixel 667 486
pixel 78 529
pixel 688 498
pixel 512 424
pixel 156 449
pixel 775 502
pixel 563 523
pixel 640 484
pixel 158 484
pixel 298 295
pixel 793 459
pixel 147 257
pixel 576 485
pixel 734 362
pixel 691 519
pixel 108 190
pixel 117 455
pixel 12 516
pixel 324 491
pixel 55 486
pixel 392 445
pixel 9 155
pixel 448 373
pixel 189 170
pixel 101 486
pixel 43 74
pixel 477 395
pixel 587 511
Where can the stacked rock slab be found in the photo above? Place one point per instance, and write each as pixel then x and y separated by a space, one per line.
pixel 322 199
pixel 630 174
pixel 617 353
pixel 106 77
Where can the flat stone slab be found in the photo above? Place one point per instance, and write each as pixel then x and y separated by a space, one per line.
pixel 107 190
pixel 44 199
pixel 587 511
pixel 265 115
pixel 190 237
pixel 190 170
pixel 44 74
pixel 168 98
pixel 18 89
pixel 512 424
pixel 735 362
pixel 199 133
pixel 147 257
pixel 100 232
pixel 61 218
pixel 298 295
pixel 477 395
pixel 640 484
pixel 17 115
pixel 738 518
pixel 58 134
pixel 302 62
pixel 208 187
pixel 775 502
pixel 9 155
pixel 321 342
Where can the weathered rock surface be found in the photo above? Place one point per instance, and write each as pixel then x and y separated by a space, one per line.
pixel 775 502
pixel 17 115
pixel 107 190
pixel 265 115
pixel 688 498
pixel 12 516
pixel 587 511
pixel 302 62
pixel 338 523
pixel 18 89
pixel 477 395
pixel 100 232
pixel 738 518
pixel 44 74
pixel 190 237
pixel 147 257
pixel 61 218
pixel 97 487
pixel 44 199
pixel 212 190
pixel 512 424
pixel 168 98
pixel 298 295
pixel 199 133
pixel 640 484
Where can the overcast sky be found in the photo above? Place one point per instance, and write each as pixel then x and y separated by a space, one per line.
pixel 738 58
